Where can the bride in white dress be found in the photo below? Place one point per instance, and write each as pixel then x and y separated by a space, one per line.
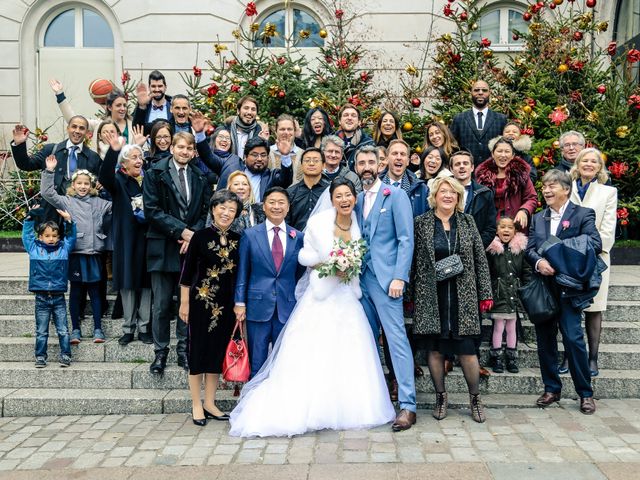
pixel 324 371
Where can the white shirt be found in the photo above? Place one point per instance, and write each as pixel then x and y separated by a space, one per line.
pixel 282 234
pixel 370 197
pixel 484 111
pixel 186 178
pixel 554 223
pixel 78 150
pixel 156 113
pixel 242 141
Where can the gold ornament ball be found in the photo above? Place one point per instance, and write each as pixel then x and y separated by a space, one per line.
pixel 407 127
pixel 563 68
pixel 474 27
pixel 556 144
pixel 418 149
pixel 604 157
pixel 536 161
pixel 323 33
pixel 527 109
pixel 296 69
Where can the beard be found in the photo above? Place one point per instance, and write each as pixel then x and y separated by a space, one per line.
pixel 255 170
pixel 480 104
pixel 367 181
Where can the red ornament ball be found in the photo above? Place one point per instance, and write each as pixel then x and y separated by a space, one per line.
pixel 99 89
pixel 464 16
pixel 416 102
pixel 552 6
pixel 601 89
pixel 590 3
pixel 526 16
pixel 577 36
pixel 281 94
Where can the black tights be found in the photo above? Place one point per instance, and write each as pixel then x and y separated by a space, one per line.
pixel 76 292
pixel 470 369
pixel 593 326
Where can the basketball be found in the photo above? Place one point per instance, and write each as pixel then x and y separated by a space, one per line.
pixel 99 89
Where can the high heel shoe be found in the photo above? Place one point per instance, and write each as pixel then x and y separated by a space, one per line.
pixel 221 418
pixel 200 422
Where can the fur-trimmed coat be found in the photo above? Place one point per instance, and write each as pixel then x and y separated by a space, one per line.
pixel 473 284
pixel 509 271
pixel 522 147
pixel 520 193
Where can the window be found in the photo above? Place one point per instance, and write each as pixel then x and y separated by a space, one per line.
pixel 289 22
pixel 627 32
pixel 498 24
pixel 78 27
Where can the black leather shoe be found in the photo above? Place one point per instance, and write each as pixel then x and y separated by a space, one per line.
pixel 547 399
pixel 201 422
pixel 221 418
pixel 125 339
pixel 183 361
pixel 159 364
pixel 145 337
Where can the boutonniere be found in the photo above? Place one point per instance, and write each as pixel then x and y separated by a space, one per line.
pixel 292 233
pixel 565 224
pixel 386 192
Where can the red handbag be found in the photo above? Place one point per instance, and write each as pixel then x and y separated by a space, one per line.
pixel 235 367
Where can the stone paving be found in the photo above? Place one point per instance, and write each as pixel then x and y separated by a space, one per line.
pixel 558 442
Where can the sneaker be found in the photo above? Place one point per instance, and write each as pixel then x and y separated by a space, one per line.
pixel 125 339
pixel 65 361
pixel 98 336
pixel 145 337
pixel 76 336
pixel 41 362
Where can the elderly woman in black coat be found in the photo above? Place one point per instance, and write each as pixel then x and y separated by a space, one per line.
pixel 121 174
pixel 447 312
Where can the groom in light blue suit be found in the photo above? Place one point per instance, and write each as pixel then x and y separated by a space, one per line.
pixel 386 222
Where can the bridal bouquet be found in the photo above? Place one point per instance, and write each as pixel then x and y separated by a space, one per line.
pixel 345 260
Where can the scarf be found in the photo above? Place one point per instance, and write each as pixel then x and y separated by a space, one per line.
pixel 353 141
pixel 405 184
pixel 238 125
pixel 222 153
pixel 582 189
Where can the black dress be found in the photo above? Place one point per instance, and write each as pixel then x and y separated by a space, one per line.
pixel 448 342
pixel 209 270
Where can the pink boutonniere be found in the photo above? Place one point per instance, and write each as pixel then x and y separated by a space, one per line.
pixel 565 224
pixel 292 233
pixel 386 192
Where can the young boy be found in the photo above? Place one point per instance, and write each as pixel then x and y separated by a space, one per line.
pixel 48 267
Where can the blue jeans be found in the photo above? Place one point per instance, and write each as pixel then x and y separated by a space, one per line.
pixel 47 306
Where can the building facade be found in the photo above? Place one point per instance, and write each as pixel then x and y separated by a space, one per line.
pixel 77 41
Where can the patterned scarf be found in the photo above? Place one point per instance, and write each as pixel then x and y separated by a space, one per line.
pixel 405 184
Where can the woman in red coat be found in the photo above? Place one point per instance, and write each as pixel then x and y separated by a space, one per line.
pixel 507 175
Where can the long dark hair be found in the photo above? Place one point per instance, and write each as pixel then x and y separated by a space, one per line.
pixel 443 165
pixel 308 135
pixel 157 126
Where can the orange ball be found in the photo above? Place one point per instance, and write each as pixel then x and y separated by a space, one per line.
pixel 99 89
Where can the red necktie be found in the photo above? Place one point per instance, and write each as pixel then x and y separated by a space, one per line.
pixel 276 249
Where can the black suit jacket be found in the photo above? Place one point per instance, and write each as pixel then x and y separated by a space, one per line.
pixel 141 117
pixel 464 128
pixel 87 160
pixel 277 177
pixel 483 210
pixel 162 211
pixel 581 221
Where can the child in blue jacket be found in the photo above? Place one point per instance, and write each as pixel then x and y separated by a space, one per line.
pixel 48 277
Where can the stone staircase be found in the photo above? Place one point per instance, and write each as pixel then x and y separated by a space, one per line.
pixel 110 379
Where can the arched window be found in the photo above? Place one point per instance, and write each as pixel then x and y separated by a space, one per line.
pixel 289 23
pixel 78 28
pixel 498 23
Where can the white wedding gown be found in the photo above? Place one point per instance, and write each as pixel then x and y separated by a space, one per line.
pixel 324 371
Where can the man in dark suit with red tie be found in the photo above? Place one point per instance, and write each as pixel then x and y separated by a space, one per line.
pixel 474 128
pixel 560 221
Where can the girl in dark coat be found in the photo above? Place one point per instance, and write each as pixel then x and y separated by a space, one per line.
pixel 509 270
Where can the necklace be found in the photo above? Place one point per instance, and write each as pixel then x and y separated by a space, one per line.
pixel 341 228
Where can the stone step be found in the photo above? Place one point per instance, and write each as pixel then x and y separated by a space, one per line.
pixel 20 286
pixel 622 311
pixel 25 304
pixel 624 292
pixel 35 402
pixel 24 326
pixel 612 332
pixel 21 349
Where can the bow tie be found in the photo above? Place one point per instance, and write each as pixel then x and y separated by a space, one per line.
pixel 157 107
pixel 555 216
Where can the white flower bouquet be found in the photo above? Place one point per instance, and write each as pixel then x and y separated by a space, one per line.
pixel 345 260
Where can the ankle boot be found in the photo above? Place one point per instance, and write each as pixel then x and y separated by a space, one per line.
pixel 564 366
pixel 477 410
pixel 496 360
pixel 593 365
pixel 511 356
pixel 442 402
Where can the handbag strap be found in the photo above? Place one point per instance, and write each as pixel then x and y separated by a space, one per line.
pixel 235 329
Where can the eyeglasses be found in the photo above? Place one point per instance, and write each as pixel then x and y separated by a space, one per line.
pixel 258 155
pixel 572 145
pixel 163 137
pixel 333 152
pixel 223 137
pixel 312 161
